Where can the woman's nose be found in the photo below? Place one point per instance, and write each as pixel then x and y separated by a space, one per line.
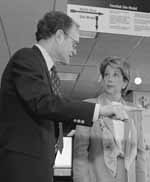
pixel 109 78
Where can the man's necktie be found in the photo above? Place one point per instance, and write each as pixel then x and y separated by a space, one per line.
pixel 55 81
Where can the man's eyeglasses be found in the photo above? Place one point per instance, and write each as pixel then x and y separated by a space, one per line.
pixel 75 42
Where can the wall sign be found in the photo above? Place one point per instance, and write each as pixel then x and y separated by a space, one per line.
pixel 128 17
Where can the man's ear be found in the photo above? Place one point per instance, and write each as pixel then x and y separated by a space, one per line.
pixel 59 36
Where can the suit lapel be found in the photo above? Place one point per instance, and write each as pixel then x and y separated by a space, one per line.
pixel 127 138
pixel 109 124
pixel 43 64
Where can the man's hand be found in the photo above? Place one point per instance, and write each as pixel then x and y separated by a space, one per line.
pixel 115 110
pixel 118 110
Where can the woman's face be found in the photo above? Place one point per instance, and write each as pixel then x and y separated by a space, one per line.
pixel 113 80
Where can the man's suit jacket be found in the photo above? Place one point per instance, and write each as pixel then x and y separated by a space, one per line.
pixel 29 111
pixel 95 152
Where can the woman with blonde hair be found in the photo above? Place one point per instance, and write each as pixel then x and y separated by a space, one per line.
pixel 112 150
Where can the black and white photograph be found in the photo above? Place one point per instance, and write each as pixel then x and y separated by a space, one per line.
pixel 74 91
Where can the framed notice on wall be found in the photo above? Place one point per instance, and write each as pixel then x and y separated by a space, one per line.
pixel 114 16
pixel 143 99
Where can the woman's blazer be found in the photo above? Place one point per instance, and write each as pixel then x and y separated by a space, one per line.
pixel 95 161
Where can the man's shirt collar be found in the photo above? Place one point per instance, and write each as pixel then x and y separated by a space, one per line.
pixel 48 59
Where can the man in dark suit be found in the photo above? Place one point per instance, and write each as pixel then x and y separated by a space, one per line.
pixel 29 108
pixel 30 111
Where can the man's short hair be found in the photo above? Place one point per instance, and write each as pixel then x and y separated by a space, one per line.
pixel 51 22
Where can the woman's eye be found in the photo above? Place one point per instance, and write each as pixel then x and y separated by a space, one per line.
pixel 116 74
pixel 106 74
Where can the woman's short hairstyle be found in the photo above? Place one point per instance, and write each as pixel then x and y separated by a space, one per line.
pixel 51 22
pixel 119 63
